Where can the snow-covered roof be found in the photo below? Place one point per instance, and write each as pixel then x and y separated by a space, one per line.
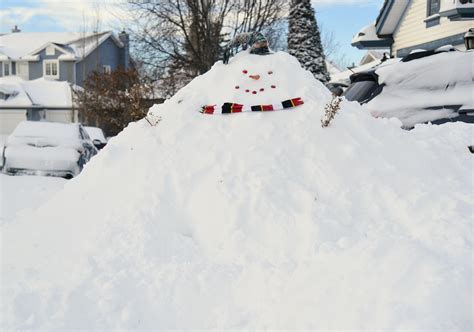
pixel 39 92
pixel 367 38
pixel 378 34
pixel 25 45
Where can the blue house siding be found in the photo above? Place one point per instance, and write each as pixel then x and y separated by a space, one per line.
pixel 75 71
pixel 43 55
pixel 66 71
pixel 108 53
pixel 35 68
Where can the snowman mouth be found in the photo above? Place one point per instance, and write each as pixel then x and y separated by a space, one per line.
pixel 255 91
pixel 255 77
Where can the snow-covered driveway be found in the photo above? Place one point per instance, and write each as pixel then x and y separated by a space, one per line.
pixel 19 194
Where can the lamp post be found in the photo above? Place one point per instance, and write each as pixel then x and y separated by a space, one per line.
pixel 469 39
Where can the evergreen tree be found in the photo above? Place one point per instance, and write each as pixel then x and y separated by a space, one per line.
pixel 304 40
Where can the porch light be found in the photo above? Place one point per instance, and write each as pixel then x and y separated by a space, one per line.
pixel 469 39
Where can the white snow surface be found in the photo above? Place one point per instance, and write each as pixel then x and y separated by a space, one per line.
pixel 42 134
pixel 442 79
pixel 20 195
pixel 35 92
pixel 96 133
pixel 253 220
pixel 22 45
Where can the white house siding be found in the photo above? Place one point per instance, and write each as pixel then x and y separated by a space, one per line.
pixel 10 119
pixel 61 116
pixel 412 30
pixel 22 70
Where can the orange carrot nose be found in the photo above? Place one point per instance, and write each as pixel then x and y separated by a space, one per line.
pixel 254 77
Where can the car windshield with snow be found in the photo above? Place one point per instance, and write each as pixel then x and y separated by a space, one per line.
pixel 425 86
pixel 97 136
pixel 47 148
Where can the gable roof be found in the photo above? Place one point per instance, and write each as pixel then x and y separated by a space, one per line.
pixel 379 34
pixel 390 16
pixel 25 45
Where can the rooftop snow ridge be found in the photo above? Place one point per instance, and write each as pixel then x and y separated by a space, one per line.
pixel 24 44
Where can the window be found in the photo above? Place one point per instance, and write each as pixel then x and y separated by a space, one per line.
pixel 7 68
pixel 106 69
pixel 50 50
pixel 433 7
pixel 432 13
pixel 51 69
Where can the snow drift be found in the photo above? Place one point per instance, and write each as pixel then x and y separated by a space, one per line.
pixel 253 220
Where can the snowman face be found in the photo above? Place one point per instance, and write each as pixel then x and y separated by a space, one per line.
pixel 257 83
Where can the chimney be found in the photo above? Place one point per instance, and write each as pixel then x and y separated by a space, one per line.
pixel 15 29
pixel 125 39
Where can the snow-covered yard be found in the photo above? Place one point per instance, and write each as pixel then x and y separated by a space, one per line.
pixel 252 221
pixel 24 194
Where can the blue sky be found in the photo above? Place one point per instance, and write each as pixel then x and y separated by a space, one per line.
pixel 343 18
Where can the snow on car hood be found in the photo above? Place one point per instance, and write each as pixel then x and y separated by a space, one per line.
pixel 45 134
pixel 42 142
pixel 44 159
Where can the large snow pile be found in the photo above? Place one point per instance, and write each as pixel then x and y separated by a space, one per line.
pixel 253 220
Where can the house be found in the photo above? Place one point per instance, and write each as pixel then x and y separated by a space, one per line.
pixel 332 68
pixel 407 25
pixel 62 56
pixel 51 63
pixel 373 55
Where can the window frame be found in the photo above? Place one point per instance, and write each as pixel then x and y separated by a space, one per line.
pixel 45 63
pixel 430 7
pixel 106 69
pixel 432 18
pixel 50 50
pixel 9 65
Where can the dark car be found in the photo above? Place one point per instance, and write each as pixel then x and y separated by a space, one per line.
pixel 425 86
pixel 97 136
pixel 47 148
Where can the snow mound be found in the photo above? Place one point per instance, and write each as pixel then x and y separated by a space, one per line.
pixel 253 220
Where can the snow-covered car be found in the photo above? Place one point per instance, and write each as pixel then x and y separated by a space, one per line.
pixel 97 136
pixel 425 86
pixel 47 148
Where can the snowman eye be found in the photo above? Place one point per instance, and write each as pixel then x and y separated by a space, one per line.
pixel 244 71
pixel 270 72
